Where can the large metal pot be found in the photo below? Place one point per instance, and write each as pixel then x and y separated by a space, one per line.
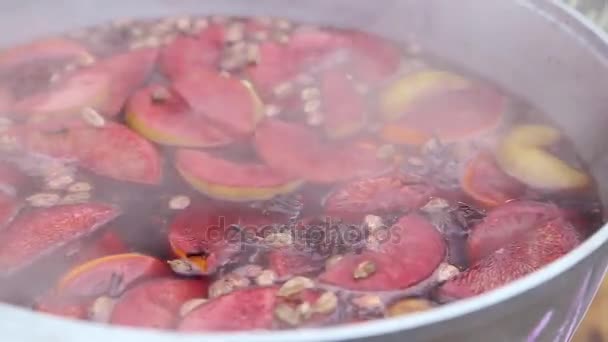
pixel 536 49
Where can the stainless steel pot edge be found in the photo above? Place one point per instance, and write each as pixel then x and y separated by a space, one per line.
pixel 54 329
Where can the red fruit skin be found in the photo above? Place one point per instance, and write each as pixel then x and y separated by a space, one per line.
pixel 375 196
pixel 297 151
pixel 113 151
pixel 190 54
pixel 412 253
pixel 208 93
pixel 249 309
pixel 527 254
pixel 38 233
pixel 112 276
pixel 506 223
pixel 156 303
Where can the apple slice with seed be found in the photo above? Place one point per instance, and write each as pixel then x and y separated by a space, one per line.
pixel 156 303
pixel 411 253
pixel 161 115
pixel 36 234
pixel 223 179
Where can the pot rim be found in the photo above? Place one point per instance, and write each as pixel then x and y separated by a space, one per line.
pixel 47 326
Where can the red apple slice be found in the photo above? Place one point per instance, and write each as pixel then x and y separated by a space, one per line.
pixel 223 179
pixel 156 303
pixel 108 243
pixel 411 254
pixel 373 59
pixel 228 102
pixel 505 223
pixel 110 275
pixel 170 121
pixel 275 66
pixel 376 196
pixel 250 309
pixel 48 49
pixel 104 87
pixel 37 234
pixel 451 116
pixel 344 109
pixel 486 183
pixel 529 252
pixel 298 151
pixel 190 54
pixel 128 71
pixel 112 150
pixel 61 105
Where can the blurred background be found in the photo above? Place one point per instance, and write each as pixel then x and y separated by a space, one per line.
pixel 595 326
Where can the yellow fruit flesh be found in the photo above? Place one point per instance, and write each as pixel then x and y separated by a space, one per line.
pixel 239 194
pixel 522 156
pixel 397 98
pixel 156 135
